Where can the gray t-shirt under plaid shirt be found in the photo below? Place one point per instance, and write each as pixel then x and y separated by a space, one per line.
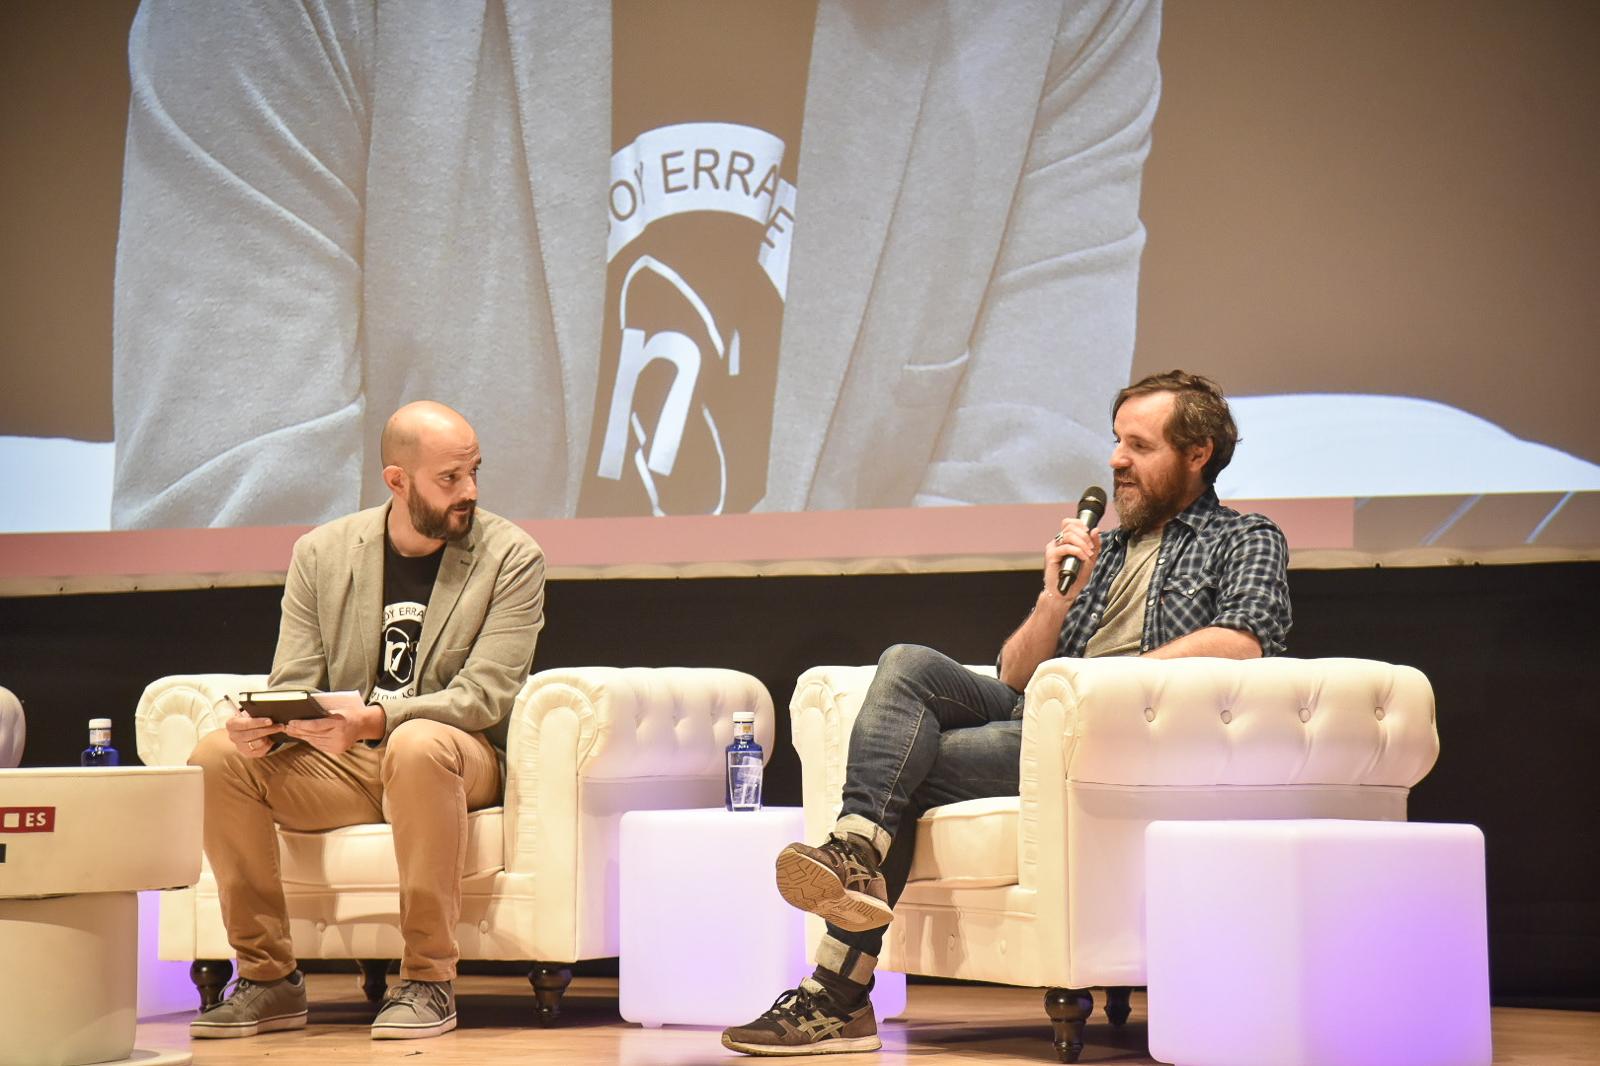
pixel 1122 621
pixel 1215 567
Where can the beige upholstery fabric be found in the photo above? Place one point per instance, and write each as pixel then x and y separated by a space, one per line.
pixel 585 746
pixel 973 843
pixel 1110 745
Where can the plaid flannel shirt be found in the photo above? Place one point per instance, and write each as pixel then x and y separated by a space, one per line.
pixel 1215 567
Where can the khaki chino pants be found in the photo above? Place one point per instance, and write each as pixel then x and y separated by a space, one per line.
pixel 425 776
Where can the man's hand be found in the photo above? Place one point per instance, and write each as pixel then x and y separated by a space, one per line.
pixel 1075 540
pixel 252 736
pixel 340 731
pixel 1035 639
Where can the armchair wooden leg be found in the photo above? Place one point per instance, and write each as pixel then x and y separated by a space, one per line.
pixel 1117 1007
pixel 549 983
pixel 210 977
pixel 1068 1008
pixel 374 978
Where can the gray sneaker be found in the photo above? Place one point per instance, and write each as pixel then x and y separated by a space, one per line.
pixel 415 1009
pixel 255 1007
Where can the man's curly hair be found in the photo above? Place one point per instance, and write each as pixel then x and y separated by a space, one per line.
pixel 1199 414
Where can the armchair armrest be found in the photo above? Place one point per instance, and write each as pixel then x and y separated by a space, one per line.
pixel 601 727
pixel 1227 722
pixel 1109 745
pixel 586 745
pixel 13 729
pixel 175 712
pixel 821 714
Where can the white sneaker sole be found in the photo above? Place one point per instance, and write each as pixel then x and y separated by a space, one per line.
pixel 413 1032
pixel 201 1030
pixel 805 883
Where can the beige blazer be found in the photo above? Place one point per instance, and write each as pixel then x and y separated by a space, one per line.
pixel 478 636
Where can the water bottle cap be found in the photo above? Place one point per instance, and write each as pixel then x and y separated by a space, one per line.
pixel 99 723
pixel 744 716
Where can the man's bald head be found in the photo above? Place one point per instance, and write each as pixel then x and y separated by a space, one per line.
pixel 430 463
pixel 423 425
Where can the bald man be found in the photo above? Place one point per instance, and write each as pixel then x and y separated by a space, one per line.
pixel 430 608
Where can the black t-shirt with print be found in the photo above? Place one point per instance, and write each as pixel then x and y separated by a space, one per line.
pixel 407 584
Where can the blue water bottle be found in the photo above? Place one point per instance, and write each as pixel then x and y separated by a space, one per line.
pixel 743 791
pixel 99 752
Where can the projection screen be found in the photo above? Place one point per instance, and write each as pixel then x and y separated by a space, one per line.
pixel 791 287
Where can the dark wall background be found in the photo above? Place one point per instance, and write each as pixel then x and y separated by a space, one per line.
pixel 1509 649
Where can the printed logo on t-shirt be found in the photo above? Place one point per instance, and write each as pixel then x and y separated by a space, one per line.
pixel 701 223
pixel 397 670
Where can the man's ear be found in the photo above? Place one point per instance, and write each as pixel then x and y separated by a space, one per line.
pixel 395 478
pixel 1199 455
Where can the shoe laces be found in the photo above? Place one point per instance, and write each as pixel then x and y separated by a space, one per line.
pixel 799 1004
pixel 239 991
pixel 416 994
pixel 856 868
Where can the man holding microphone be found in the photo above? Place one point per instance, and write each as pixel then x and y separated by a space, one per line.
pixel 1182 575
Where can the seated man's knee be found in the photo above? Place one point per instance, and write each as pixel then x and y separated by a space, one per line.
pixel 214 752
pixel 911 660
pixel 419 742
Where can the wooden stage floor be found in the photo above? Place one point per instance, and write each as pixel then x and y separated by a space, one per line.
pixel 945 1024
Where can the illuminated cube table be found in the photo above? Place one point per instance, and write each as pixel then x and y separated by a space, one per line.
pixel 1316 943
pixel 76 846
pixel 705 937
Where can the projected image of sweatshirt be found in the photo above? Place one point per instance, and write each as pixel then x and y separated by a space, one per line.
pixel 708 100
pixel 434 201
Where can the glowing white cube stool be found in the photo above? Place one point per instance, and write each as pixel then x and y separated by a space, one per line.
pixel 76 846
pixel 705 937
pixel 1316 943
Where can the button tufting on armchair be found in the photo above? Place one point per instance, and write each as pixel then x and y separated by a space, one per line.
pixel 1047 888
pixel 585 746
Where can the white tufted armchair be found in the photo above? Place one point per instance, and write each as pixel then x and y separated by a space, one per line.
pixel 585 746
pixel 1047 888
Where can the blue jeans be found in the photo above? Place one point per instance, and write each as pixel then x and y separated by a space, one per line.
pixel 929 732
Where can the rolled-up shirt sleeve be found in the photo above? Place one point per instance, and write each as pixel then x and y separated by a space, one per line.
pixel 1253 587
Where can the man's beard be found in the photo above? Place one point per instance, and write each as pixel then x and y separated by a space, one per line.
pixel 439 523
pixel 1161 498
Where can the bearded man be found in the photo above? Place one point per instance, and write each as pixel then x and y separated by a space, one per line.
pixel 1181 576
pixel 430 608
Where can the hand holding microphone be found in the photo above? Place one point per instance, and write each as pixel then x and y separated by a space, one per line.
pixel 1091 508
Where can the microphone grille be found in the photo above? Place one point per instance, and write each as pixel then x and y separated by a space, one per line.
pixel 1094 499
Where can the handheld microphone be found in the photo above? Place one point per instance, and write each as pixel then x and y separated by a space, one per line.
pixel 1091 508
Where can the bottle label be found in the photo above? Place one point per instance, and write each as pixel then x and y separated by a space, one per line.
pixel 744 781
pixel 100 737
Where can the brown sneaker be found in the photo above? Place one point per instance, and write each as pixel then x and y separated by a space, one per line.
pixel 803 1021
pixel 837 881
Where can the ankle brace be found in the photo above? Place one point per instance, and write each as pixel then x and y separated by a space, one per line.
pixel 842 963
